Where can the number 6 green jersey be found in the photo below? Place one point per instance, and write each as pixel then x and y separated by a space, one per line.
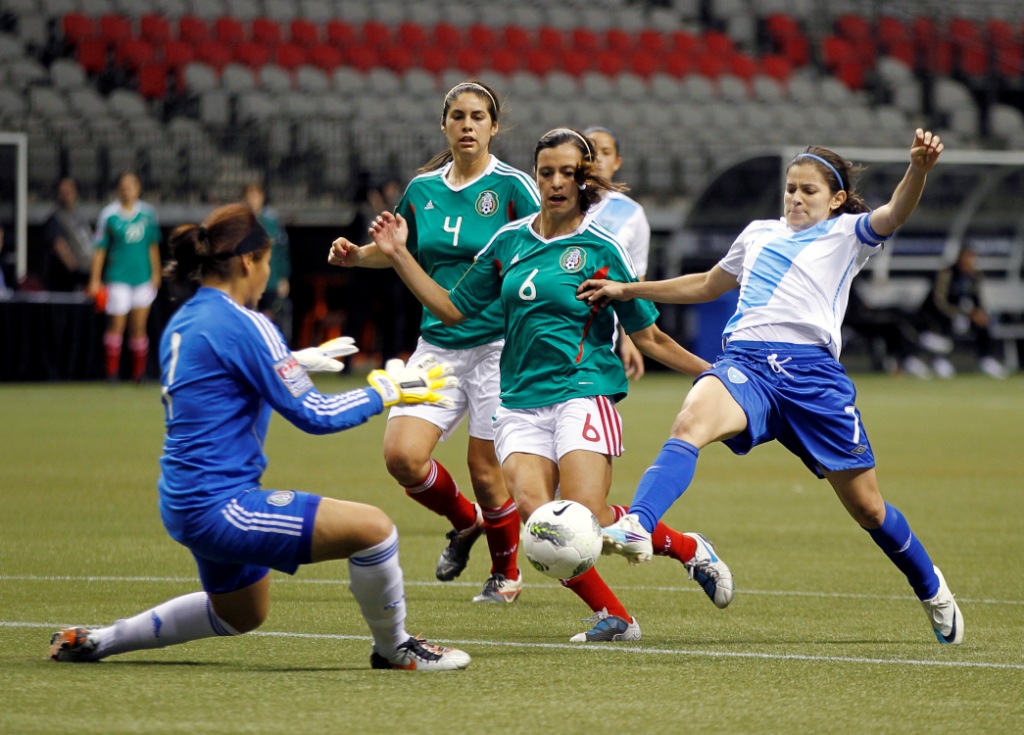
pixel 448 226
pixel 556 347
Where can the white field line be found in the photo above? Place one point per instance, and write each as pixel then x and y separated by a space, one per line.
pixel 625 649
pixel 281 579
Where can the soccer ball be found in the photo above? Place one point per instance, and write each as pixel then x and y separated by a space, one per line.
pixel 562 539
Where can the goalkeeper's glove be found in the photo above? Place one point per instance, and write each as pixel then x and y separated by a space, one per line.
pixel 414 383
pixel 321 359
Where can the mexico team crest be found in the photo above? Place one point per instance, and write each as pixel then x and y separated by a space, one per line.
pixel 573 259
pixel 487 203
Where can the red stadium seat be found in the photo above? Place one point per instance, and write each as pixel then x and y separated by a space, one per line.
pixel 504 60
pixel 679 63
pixel 797 50
pixel 850 73
pixel 780 26
pixel 153 81
pixel 644 63
pixel 362 56
pixel 77 27
pixel 776 67
pixel 539 62
pixel 398 58
pixel 412 36
pixel 854 28
pixel 575 62
pixel 550 38
pixel 717 42
pixel 483 36
pixel 584 39
pixel 611 63
pixel 267 31
pixel 470 60
pixel 154 28
pixel 340 33
pixel 435 59
pixel 251 53
pixel 115 28
pixel 304 32
pixel 711 65
pixel 289 56
pixel 92 55
pixel 1000 32
pixel 743 66
pixel 213 54
pixel 616 39
pixel 684 42
pixel 652 41
pixel 325 56
pixel 376 34
pixel 132 53
pixel 836 50
pixel 177 54
pixel 193 29
pixel 1010 62
pixel 516 38
pixel 447 35
pixel 228 31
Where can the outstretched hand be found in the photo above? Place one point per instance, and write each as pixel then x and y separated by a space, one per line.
pixel 390 232
pixel 924 153
pixel 598 292
pixel 344 253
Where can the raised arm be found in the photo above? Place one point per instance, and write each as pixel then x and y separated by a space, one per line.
pixel 389 233
pixel 347 254
pixel 693 288
pixel 924 154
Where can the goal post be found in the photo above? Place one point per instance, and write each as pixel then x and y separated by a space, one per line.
pixel 14 198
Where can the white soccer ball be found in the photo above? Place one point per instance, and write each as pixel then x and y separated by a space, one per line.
pixel 562 539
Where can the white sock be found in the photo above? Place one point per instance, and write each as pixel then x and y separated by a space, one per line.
pixel 186 618
pixel 378 586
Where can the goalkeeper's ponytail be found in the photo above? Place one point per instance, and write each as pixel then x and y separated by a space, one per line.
pixel 206 250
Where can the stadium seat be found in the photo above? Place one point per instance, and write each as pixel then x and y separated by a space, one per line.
pixel 237 78
pixel 434 59
pixel 325 57
pixel 743 66
pixel 199 77
pixel 711 65
pixel 177 53
pixel 154 29
pixel 67 75
pixel 251 54
pixel 213 54
pixel 776 67
pixel 229 31
pixel 484 37
pixel 644 63
pixel 340 33
pixel 304 32
pixel 651 41
pixel 551 39
pixel 611 63
pixel 586 40
pixel 363 57
pixel 539 62
pixel 274 79
pixel 376 34
pixel 679 64
pixel 516 38
pixel 316 11
pixel 92 55
pixel 312 80
pixel 854 28
pixel 115 28
pixel 718 43
pixel 399 59
pixel 131 53
pixel 266 31
pixel 576 63
pixel 504 60
pixel 618 40
pixel 152 80
pixel 77 27
pixel 412 36
pixel 282 11
pixel 290 56
pixel 193 29
pixel 446 35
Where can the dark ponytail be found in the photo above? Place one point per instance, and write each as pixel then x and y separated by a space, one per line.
pixel 201 251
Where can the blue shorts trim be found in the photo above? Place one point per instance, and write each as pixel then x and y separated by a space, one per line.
pixel 806 402
pixel 239 539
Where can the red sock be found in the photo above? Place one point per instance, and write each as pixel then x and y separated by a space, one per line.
pixel 112 349
pixel 619 511
pixel 670 542
pixel 596 593
pixel 502 528
pixel 139 347
pixel 440 493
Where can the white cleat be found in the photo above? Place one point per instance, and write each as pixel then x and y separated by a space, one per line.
pixel 628 538
pixel 944 614
pixel 608 628
pixel 417 654
pixel 709 571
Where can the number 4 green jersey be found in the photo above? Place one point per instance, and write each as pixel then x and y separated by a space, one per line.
pixel 448 225
pixel 556 347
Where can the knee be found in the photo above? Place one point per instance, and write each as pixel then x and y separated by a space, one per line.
pixel 869 513
pixel 375 527
pixel 408 469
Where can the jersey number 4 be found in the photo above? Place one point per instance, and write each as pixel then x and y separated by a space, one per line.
pixel 454 230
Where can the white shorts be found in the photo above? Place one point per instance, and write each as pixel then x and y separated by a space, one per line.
pixel 591 424
pixel 122 298
pixel 477 392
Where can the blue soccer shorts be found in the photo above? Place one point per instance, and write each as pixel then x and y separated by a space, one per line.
pixel 799 395
pixel 239 539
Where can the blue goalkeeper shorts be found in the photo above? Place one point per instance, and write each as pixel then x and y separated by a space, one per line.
pixel 799 395
pixel 240 538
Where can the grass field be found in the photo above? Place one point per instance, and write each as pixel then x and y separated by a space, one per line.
pixel 824 635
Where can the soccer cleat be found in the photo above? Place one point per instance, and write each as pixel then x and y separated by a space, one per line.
pixel 992 368
pixel 608 628
pixel 710 572
pixel 944 614
pixel 73 645
pixel 416 654
pixel 455 557
pixel 500 588
pixel 628 538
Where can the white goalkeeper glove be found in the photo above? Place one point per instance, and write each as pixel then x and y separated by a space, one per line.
pixel 414 383
pixel 321 359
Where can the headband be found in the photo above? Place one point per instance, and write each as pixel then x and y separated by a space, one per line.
pixel 474 85
pixel 586 143
pixel 819 159
pixel 602 129
pixel 257 239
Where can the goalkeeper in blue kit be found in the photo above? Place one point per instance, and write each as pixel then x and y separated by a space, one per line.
pixel 225 368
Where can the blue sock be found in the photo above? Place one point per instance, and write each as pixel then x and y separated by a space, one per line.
pixel 899 543
pixel 664 482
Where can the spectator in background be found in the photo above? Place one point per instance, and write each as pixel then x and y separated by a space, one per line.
pixel 896 331
pixel 126 266
pixel 954 308
pixel 275 302
pixel 625 219
pixel 68 236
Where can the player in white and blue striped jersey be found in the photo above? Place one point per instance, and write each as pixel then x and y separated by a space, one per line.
pixel 779 376
pixel 225 368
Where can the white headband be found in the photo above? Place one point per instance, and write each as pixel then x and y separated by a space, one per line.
pixel 473 85
pixel 586 143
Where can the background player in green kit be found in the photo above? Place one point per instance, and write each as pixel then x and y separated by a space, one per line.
pixel 557 426
pixel 127 260
pixel 453 208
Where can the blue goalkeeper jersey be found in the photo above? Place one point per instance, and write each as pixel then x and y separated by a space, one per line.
pixel 223 369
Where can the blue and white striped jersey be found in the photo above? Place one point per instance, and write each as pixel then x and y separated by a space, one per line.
pixel 625 218
pixel 223 369
pixel 794 286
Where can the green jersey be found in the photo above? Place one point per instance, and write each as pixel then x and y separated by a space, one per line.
pixel 127 238
pixel 556 347
pixel 448 225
